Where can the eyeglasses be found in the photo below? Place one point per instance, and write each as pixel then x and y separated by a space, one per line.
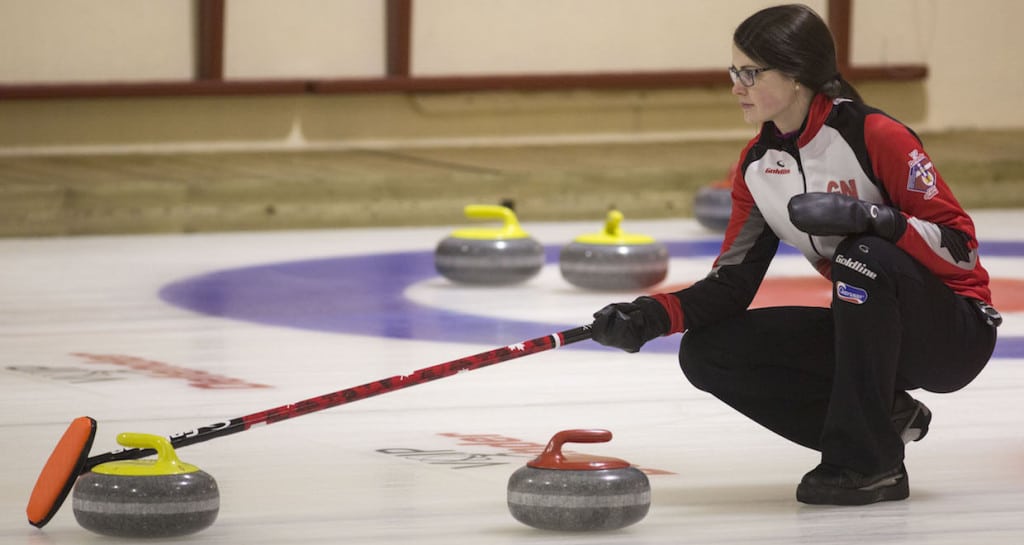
pixel 746 76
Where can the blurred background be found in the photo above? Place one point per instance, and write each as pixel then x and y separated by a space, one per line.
pixel 119 116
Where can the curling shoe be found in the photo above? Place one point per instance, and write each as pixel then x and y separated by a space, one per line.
pixel 833 485
pixel 910 417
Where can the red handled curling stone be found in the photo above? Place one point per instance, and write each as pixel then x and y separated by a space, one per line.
pixel 146 498
pixel 713 203
pixel 489 256
pixel 613 260
pixel 578 493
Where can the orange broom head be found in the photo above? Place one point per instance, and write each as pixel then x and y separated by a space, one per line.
pixel 61 471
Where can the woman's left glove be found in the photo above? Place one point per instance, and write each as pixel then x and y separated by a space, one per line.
pixel 838 214
pixel 630 325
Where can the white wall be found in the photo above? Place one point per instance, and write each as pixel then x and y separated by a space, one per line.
pixel 463 37
pixel 95 40
pixel 266 39
pixel 971 48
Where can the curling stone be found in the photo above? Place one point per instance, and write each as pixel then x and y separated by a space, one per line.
pixel 613 260
pixel 579 492
pixel 713 203
pixel 146 498
pixel 489 256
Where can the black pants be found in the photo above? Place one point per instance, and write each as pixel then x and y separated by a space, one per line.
pixel 826 378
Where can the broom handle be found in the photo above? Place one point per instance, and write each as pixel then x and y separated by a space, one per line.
pixel 355 393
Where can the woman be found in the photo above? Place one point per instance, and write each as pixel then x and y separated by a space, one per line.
pixel 855 192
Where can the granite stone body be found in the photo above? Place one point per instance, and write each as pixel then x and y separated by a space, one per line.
pixel 146 505
pixel 584 500
pixel 712 206
pixel 489 262
pixel 613 266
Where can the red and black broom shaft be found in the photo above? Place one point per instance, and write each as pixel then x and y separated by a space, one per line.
pixel 355 393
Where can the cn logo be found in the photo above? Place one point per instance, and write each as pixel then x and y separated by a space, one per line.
pixel 846 187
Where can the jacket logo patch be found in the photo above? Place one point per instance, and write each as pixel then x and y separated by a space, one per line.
pixel 779 168
pixel 851 294
pixel 846 187
pixel 921 178
pixel 851 263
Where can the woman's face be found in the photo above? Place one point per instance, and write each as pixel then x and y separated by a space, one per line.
pixel 773 97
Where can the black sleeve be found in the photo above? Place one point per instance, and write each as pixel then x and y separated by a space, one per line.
pixel 747 251
pixel 730 287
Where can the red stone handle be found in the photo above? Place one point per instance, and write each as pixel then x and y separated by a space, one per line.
pixel 554 458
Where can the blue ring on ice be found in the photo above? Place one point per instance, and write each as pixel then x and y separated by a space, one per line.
pixel 363 295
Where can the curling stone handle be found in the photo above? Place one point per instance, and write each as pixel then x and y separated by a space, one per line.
pixel 612 234
pixel 510 224
pixel 554 458
pixel 576 436
pixel 167 461
pixel 613 224
pixel 489 212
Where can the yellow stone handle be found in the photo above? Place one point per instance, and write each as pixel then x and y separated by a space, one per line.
pixel 166 463
pixel 613 224
pixel 510 224
pixel 613 234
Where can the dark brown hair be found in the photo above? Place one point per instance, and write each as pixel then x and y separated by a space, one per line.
pixel 794 40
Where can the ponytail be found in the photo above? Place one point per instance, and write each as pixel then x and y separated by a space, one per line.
pixel 838 87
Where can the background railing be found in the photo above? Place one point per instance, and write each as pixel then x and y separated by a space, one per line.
pixel 398 74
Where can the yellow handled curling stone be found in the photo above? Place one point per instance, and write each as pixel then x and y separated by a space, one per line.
pixel 146 498
pixel 489 255
pixel 613 259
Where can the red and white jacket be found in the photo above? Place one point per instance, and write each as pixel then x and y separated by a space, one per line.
pixel 844 147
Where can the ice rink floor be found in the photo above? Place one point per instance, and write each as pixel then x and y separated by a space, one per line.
pixel 163 334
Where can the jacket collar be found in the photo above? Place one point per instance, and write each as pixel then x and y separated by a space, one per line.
pixel 820 109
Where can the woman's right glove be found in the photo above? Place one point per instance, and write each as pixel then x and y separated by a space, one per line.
pixel 630 325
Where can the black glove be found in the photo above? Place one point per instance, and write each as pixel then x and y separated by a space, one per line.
pixel 629 325
pixel 838 214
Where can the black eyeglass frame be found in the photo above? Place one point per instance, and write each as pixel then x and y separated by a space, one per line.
pixel 746 76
